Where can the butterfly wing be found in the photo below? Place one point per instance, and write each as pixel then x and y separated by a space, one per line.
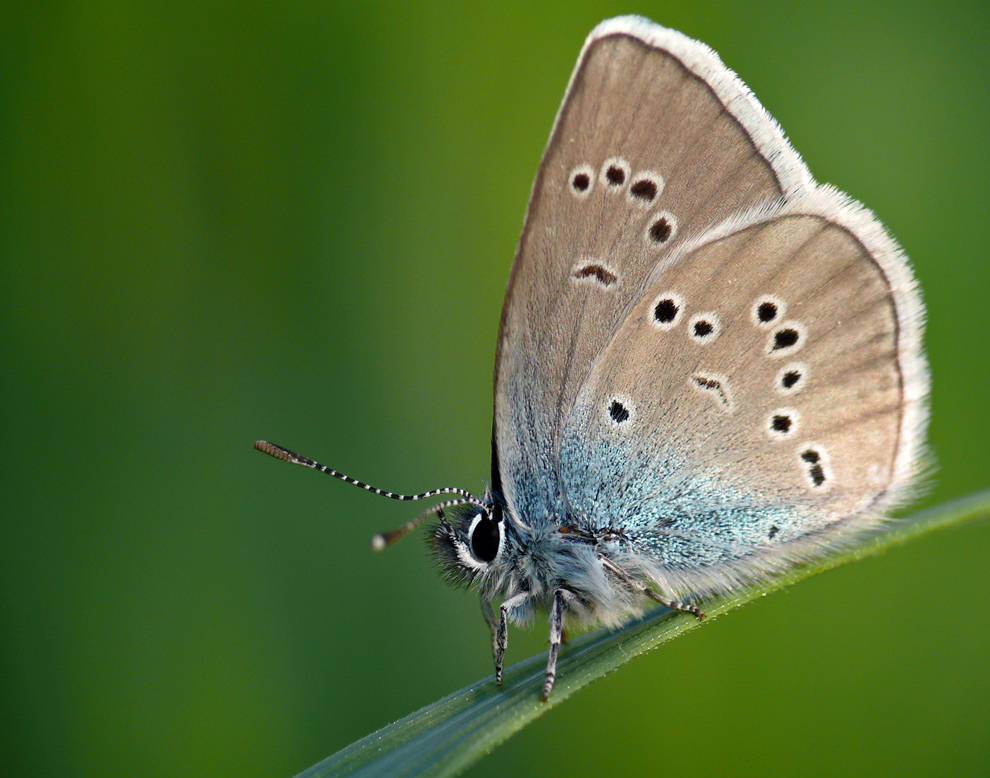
pixel 765 396
pixel 655 142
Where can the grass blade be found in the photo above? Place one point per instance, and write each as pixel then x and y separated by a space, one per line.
pixel 445 737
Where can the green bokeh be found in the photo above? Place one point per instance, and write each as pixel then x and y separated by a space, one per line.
pixel 229 221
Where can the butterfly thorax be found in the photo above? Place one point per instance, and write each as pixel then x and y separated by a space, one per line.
pixel 537 561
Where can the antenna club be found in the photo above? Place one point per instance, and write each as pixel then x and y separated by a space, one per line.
pixel 378 543
pixel 272 450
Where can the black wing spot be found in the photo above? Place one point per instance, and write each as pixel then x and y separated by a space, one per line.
pixel 816 469
pixel 782 423
pixel 601 274
pixel 705 327
pixel 666 311
pixel 785 338
pixel 773 532
pixel 615 175
pixel 618 412
pixel 644 189
pixel 766 312
pixel 716 387
pixel 661 230
pixel 767 309
pixel 581 180
pixel 791 378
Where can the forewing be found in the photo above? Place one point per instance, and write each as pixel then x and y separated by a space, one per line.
pixel 656 141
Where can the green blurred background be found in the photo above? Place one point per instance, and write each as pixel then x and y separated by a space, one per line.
pixel 228 221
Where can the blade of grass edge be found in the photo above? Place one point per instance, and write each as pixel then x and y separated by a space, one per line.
pixel 443 738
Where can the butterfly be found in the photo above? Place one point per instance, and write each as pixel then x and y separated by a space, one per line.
pixel 709 366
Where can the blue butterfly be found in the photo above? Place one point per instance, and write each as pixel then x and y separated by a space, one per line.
pixel 709 366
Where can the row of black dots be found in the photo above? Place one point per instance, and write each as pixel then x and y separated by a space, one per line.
pixel 787 337
pixel 668 310
pixel 642 189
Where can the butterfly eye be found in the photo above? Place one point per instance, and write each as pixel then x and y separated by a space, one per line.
pixel 485 536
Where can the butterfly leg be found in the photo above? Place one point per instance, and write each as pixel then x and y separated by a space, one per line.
pixel 635 585
pixel 489 614
pixel 502 637
pixel 556 634
pixel 673 604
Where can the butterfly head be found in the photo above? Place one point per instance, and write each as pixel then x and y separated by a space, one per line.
pixel 473 542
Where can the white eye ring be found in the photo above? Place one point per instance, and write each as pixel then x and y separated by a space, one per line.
pixel 465 552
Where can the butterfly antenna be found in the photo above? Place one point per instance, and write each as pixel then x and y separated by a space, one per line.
pixel 384 539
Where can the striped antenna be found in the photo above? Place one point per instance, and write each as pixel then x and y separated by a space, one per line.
pixel 385 539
